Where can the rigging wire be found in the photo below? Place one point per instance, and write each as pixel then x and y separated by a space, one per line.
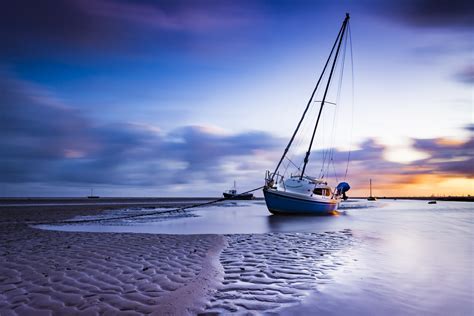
pixel 353 98
pixel 297 167
pixel 336 111
pixel 338 40
pixel 328 153
pixel 305 128
pixel 335 174
pixel 308 127
pixel 327 149
pixel 292 154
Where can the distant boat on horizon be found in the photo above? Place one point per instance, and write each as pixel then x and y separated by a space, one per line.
pixel 232 194
pixel 92 196
pixel 371 198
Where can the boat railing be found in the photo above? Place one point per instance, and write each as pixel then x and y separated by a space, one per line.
pixel 273 179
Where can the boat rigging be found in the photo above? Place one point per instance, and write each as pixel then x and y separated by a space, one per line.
pixel 302 193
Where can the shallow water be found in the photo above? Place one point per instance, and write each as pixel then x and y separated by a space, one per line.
pixel 408 258
pixel 411 259
pixel 233 217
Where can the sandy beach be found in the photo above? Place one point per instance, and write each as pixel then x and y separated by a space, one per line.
pixel 45 272
pixel 53 272
pixel 388 258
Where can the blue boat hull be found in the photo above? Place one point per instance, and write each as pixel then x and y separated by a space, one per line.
pixel 281 204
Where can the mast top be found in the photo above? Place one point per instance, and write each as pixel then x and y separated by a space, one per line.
pixel 347 16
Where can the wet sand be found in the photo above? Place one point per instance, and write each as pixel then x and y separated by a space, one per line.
pixel 382 258
pixel 45 272
pixel 268 272
pixel 54 272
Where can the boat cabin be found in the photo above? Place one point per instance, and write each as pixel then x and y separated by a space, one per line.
pixel 322 191
pixel 232 191
pixel 306 185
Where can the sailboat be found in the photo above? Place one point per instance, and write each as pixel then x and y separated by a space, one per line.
pixel 371 198
pixel 232 194
pixel 92 196
pixel 302 193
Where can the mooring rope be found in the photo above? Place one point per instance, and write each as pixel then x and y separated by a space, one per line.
pixel 176 210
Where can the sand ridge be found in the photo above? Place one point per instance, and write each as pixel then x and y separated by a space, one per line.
pixel 266 272
pixel 192 298
pixel 45 272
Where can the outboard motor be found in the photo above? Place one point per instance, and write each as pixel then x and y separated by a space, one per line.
pixel 342 188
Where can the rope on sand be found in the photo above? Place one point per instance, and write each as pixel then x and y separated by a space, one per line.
pixel 175 210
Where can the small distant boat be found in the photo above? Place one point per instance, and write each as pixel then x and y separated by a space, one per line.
pixel 232 194
pixel 301 193
pixel 371 198
pixel 432 202
pixel 92 196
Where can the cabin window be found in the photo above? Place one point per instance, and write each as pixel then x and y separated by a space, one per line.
pixel 318 191
pixel 323 192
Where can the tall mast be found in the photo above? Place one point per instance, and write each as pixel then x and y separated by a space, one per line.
pixel 306 158
pixel 309 101
pixel 370 182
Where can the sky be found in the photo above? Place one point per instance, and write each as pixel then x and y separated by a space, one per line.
pixel 181 98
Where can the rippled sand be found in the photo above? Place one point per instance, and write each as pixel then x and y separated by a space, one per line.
pixel 44 272
pixel 74 273
pixel 92 273
pixel 266 272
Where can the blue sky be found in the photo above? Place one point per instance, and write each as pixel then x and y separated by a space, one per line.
pixel 146 98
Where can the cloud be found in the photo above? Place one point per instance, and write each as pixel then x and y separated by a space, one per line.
pixel 429 13
pixel 173 15
pixel 448 157
pixel 35 129
pixel 30 28
pixel 451 21
pixel 27 25
pixel 45 141
pixel 466 75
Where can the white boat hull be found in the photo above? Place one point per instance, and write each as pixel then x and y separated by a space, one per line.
pixel 279 202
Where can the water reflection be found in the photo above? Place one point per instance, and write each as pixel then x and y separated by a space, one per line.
pixel 290 223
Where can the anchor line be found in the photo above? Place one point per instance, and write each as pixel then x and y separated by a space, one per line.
pixel 176 210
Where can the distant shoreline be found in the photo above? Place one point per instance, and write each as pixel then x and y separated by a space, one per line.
pixel 425 198
pixel 172 201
